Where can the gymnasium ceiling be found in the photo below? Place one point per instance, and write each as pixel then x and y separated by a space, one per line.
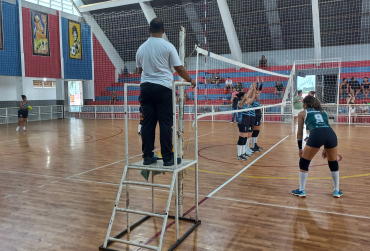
pixel 261 25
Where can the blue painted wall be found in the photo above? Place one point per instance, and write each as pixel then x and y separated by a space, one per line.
pixel 74 68
pixel 10 57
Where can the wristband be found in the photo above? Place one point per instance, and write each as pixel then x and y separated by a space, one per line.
pixel 190 80
pixel 299 141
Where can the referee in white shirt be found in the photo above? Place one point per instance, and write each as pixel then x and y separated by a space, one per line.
pixel 154 59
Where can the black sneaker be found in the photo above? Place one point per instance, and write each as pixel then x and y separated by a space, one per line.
pixel 255 149
pixel 241 157
pixel 171 162
pixel 258 147
pixel 149 160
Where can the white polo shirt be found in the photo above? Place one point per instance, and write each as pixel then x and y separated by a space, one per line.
pixel 157 57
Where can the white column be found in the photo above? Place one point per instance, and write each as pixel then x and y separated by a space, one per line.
pixel 274 23
pixel 192 15
pixel 21 36
pixel 232 38
pixel 113 55
pixel 316 28
pixel 150 14
pixel 61 45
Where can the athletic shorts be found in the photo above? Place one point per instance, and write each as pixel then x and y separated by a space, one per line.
pixel 23 113
pixel 258 121
pixel 296 112
pixel 322 137
pixel 251 123
pixel 244 123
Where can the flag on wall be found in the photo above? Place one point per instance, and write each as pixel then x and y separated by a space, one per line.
pixel 74 40
pixel 1 27
pixel 40 33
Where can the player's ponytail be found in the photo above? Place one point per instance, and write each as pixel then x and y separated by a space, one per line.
pixel 312 102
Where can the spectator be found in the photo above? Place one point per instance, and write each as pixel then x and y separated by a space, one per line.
pixel 312 93
pixel 125 71
pixel 354 87
pixel 364 108
pixel 263 62
pixel 239 87
pixel 218 79
pixel 343 87
pixel 211 79
pixel 234 104
pixel 298 106
pixel 114 98
pixel 350 101
pixel 228 85
pixel 365 87
pixel 279 89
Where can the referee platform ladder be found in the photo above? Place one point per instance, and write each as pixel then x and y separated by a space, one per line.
pixel 158 166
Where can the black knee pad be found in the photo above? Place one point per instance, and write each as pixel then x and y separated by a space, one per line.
pixel 255 133
pixel 245 140
pixel 240 141
pixel 304 164
pixel 333 165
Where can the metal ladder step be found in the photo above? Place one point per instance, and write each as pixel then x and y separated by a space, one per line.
pixel 133 243
pixel 146 184
pixel 171 169
pixel 141 212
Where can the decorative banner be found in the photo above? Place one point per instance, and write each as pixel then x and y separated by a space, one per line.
pixel 1 27
pixel 74 40
pixel 40 33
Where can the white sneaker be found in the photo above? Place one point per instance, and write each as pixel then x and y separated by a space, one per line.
pixel 17 128
pixel 24 129
pixel 248 152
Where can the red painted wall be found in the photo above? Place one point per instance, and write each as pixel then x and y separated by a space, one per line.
pixel 104 70
pixel 41 66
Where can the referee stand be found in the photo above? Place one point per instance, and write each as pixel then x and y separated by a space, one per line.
pixel 175 169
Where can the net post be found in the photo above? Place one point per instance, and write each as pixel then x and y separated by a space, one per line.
pixel 196 135
pixel 126 158
pixel 339 67
pixel 181 123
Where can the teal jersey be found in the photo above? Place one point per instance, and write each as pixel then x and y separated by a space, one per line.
pixel 316 119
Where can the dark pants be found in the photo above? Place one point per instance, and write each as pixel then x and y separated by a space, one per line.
pixel 156 105
pixel 233 116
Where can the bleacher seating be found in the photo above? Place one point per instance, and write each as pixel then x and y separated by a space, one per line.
pixel 214 95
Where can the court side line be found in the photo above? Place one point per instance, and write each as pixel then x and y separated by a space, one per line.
pixel 245 168
pixel 215 191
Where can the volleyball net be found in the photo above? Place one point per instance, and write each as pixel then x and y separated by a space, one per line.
pixel 219 78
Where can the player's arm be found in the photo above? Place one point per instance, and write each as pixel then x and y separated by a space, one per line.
pixel 301 117
pixel 21 105
pixel 140 70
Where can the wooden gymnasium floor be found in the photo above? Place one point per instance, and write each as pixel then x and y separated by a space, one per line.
pixel 59 180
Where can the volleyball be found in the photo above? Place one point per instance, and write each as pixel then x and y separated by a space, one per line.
pixel 29 108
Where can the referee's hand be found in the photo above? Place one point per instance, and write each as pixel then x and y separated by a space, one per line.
pixel 193 83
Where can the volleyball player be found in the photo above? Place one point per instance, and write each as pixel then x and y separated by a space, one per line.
pixel 22 113
pixel 310 93
pixel 321 134
pixel 257 123
pixel 245 100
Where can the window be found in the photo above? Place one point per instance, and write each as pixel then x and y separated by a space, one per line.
pixel 63 5
pixel 48 84
pixel 37 83
pixel 44 84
